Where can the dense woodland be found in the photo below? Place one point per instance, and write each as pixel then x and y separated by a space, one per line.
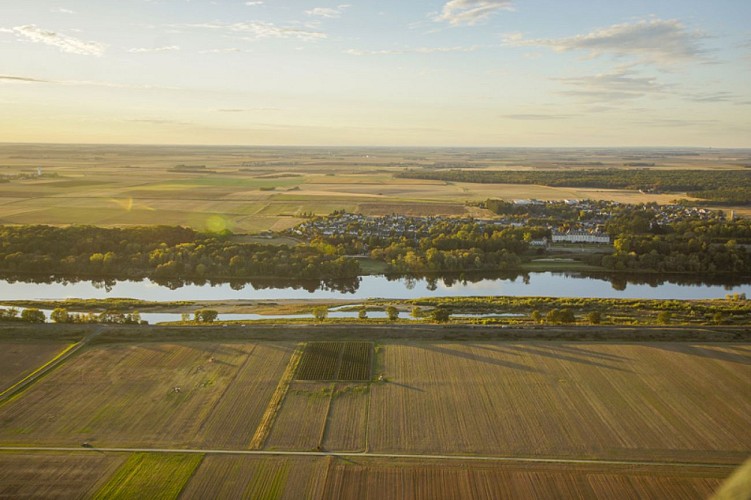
pixel 160 253
pixel 721 187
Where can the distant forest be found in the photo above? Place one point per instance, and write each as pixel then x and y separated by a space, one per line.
pixel 720 187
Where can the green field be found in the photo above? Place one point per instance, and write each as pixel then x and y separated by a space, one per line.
pixel 149 475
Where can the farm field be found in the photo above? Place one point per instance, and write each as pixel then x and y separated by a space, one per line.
pixel 73 475
pixel 369 479
pixel 343 361
pixel 658 420
pixel 214 476
pixel 147 395
pixel 150 475
pixel 659 401
pixel 18 359
pixel 249 190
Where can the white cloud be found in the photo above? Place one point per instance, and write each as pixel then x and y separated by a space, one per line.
pixel 61 10
pixel 470 12
pixel 658 41
pixel 621 84
pixel 327 11
pixel 65 43
pixel 220 51
pixel 261 29
pixel 167 48
pixel 253 4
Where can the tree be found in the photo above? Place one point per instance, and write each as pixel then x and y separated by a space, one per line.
pixel 416 312
pixel 362 313
pixel 664 317
pixel 718 318
pixel 392 312
pixel 536 316
pixel 595 317
pixel 205 315
pixel 60 315
pixel 567 316
pixel 553 316
pixel 320 313
pixel 33 315
pixel 440 314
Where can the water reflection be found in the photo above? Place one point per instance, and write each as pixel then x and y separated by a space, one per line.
pixel 547 284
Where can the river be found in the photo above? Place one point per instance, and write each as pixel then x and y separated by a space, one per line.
pixel 544 284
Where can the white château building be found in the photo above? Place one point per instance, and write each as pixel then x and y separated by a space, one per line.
pixel 580 237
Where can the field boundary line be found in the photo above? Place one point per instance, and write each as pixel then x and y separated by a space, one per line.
pixel 269 416
pixel 40 371
pixel 325 428
pixel 415 456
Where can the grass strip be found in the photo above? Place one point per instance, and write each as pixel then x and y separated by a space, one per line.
pixel 264 428
pixel 151 475
pixel 10 390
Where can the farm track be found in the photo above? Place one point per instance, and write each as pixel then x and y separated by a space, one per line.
pixel 413 456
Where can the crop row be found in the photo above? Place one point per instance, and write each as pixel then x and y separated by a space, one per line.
pixel 336 361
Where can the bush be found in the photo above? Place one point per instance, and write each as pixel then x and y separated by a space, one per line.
pixel 33 315
pixel 440 314
pixel 594 317
pixel 320 313
pixel 205 315
pixel 392 312
pixel 60 315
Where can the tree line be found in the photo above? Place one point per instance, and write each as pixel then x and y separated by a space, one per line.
pixel 159 252
pixel 723 187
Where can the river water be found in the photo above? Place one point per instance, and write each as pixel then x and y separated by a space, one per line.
pixel 545 284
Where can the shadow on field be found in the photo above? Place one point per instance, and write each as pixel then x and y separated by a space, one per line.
pixel 478 357
pixel 710 352
pixel 410 387
pixel 550 351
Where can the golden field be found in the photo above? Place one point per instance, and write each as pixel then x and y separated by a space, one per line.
pixel 438 418
pixel 248 190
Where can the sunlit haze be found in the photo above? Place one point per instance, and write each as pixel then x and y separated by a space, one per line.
pixel 418 72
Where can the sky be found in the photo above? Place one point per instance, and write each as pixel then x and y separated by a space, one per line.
pixel 536 73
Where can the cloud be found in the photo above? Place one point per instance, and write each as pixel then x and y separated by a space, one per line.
pixel 221 51
pixel 167 48
pixel 83 83
pixel 157 121
pixel 720 96
pixel 537 116
pixel 619 85
pixel 245 110
pixel 415 50
pixel 253 4
pixel 327 11
pixel 65 43
pixel 61 10
pixel 261 29
pixel 658 41
pixel 470 12
pixel 22 79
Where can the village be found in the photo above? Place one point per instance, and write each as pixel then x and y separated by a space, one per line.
pixel 567 221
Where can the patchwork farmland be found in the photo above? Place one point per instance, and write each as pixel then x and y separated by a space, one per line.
pixel 416 418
